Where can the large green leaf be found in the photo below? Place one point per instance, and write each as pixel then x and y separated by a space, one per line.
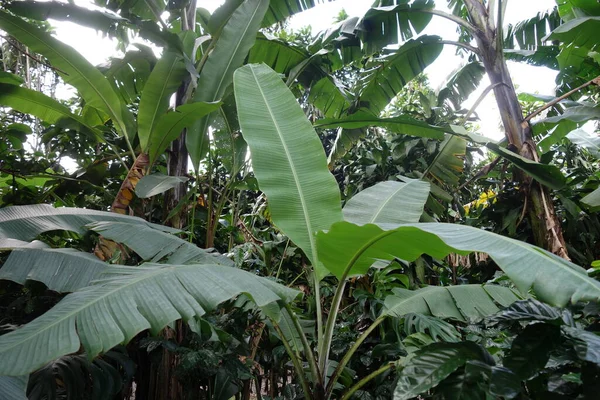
pixel 128 301
pixel 152 244
pixel 42 11
pixel 280 10
pixel 592 199
pixel 27 222
pixel 170 125
pixel 278 54
pixel 529 34
pixel 393 23
pixel 13 387
pixel 164 80
pixel 231 48
pixel 463 302
pixel 591 142
pixel 41 106
pixel 448 164
pixel 388 75
pixel 530 351
pixel 461 84
pixel 581 32
pixel 401 125
pixel 329 96
pixel 388 202
pixel 74 69
pixel 61 270
pixel 151 185
pixel 553 279
pixel 434 363
pixel 287 158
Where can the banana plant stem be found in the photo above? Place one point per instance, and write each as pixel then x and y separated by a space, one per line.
pixel 310 357
pixel 366 380
pixel 295 361
pixel 340 367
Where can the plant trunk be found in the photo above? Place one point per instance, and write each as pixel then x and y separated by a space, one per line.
pixel 547 231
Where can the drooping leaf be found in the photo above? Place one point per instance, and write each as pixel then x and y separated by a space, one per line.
pixel 151 185
pixel 287 158
pixel 401 125
pixel 74 69
pixel 553 279
pixel 236 39
pixel 152 244
pixel 13 387
pixel 280 10
pixel 27 222
pixel 392 24
pixel 586 140
pixel 546 174
pixel 329 96
pixel 42 11
pixel 530 351
pixel 128 301
pixel 447 166
pixel 388 202
pixel 581 32
pixel 530 34
pixel 592 199
pixel 279 55
pixel 43 107
pixel 387 75
pixel 463 302
pixel 433 364
pixel 585 343
pixel 61 270
pixel 438 329
pixel 163 81
pixel 459 86
pixel 171 124
pixel 527 310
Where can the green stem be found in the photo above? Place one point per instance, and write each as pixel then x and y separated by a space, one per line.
pixel 366 379
pixel 340 367
pixel 295 361
pixel 310 357
pixel 325 345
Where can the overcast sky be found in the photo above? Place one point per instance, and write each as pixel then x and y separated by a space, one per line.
pixel 97 49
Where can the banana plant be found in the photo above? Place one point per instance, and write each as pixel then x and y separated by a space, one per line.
pixel 290 166
pixel 180 281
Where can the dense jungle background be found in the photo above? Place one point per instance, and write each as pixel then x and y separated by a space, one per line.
pixel 234 209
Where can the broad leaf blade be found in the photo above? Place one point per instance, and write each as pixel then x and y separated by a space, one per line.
pixel 61 270
pixel 388 202
pixel 553 279
pixel 41 106
pixel 151 185
pixel 586 140
pixel 464 302
pixel 74 69
pixel 164 80
pixel 402 125
pixel 231 49
pixel 152 244
pixel 128 301
pixel 13 387
pixel 171 124
pixel 287 157
pixel 27 222
pixel 433 364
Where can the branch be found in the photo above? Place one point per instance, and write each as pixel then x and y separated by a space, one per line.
pixel 595 81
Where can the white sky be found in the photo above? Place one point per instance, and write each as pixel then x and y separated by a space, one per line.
pixel 98 49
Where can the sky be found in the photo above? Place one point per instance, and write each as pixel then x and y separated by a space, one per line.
pixel 98 49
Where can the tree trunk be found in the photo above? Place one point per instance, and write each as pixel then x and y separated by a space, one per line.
pixel 547 231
